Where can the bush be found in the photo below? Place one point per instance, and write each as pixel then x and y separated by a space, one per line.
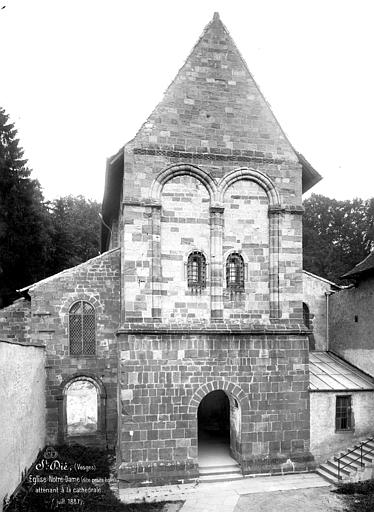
pixel 359 496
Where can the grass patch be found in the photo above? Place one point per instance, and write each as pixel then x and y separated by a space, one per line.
pixel 71 478
pixel 358 496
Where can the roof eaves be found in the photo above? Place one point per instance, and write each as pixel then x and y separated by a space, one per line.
pixel 322 279
pixel 310 176
pixel 364 267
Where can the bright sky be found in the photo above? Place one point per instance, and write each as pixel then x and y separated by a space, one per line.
pixel 79 77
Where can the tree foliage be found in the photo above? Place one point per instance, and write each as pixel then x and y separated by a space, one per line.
pixel 336 235
pixel 75 230
pixel 37 239
pixel 23 217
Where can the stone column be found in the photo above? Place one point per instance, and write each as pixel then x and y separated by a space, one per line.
pixel 156 271
pixel 274 248
pixel 216 270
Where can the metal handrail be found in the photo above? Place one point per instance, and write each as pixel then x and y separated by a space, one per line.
pixel 341 467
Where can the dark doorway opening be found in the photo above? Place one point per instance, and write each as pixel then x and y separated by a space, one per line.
pixel 214 423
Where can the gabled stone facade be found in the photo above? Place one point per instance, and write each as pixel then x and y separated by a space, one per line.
pixel 211 172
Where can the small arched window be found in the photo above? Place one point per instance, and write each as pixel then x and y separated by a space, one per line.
pixel 235 272
pixel 196 270
pixel 82 327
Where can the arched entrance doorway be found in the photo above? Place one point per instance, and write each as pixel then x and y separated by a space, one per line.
pixel 82 411
pixel 214 417
pixel 81 408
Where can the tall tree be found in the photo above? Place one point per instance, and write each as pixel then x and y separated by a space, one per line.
pixel 23 218
pixel 75 232
pixel 336 234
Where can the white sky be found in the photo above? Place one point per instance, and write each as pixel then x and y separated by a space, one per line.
pixel 79 77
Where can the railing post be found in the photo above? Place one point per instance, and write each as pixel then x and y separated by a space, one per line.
pixel 339 469
pixel 361 454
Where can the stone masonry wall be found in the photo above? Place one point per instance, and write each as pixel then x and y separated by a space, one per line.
pixel 98 282
pixel 144 239
pixel 352 324
pixel 15 321
pixel 246 230
pixel 314 289
pixel 185 226
pixel 165 376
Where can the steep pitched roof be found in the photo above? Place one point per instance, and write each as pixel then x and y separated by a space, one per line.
pixel 362 269
pixel 214 103
pixel 212 107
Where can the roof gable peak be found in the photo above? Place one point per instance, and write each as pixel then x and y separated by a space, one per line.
pixel 213 97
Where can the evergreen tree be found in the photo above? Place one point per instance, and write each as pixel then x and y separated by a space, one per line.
pixel 24 233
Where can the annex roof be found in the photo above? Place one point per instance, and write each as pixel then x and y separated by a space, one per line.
pixel 328 372
pixel 333 285
pixel 365 267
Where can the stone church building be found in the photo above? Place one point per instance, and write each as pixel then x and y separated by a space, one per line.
pixel 191 320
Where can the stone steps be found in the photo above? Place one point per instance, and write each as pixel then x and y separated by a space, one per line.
pixel 224 473
pixel 350 463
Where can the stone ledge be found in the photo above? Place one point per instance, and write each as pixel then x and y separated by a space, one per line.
pixel 220 328
pixel 279 463
pixel 225 155
pixel 293 209
pixel 156 473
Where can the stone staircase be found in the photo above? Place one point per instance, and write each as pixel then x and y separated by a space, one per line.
pixel 348 463
pixel 221 473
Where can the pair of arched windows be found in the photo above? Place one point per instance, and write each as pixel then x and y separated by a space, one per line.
pixel 82 329
pixel 196 271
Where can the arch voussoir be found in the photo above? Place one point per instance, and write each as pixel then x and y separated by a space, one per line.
pixel 230 387
pixel 258 177
pixel 183 170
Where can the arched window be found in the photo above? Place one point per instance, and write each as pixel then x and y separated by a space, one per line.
pixel 235 272
pixel 196 270
pixel 82 327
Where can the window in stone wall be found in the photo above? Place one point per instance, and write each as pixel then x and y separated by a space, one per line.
pixel 196 270
pixel 343 418
pixel 306 316
pixel 235 272
pixel 82 329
